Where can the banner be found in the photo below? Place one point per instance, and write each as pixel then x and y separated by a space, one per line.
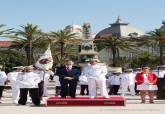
pixel 45 62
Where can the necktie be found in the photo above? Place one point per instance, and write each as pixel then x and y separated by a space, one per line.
pixel 68 69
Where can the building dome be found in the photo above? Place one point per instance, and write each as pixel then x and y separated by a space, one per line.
pixel 75 29
pixel 78 30
pixel 120 29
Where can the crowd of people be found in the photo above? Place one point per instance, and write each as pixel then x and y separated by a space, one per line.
pixel 142 82
pixel 29 82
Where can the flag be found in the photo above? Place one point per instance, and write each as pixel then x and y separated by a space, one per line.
pixel 45 61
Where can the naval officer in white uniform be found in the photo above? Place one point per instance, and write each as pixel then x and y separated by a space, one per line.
pixel 160 72
pixel 114 82
pixel 128 82
pixel 12 77
pixel 3 78
pixel 96 76
pixel 83 81
pixel 28 82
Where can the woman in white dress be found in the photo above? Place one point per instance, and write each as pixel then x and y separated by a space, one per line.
pixel 146 83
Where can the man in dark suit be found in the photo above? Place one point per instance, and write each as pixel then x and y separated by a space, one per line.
pixel 68 78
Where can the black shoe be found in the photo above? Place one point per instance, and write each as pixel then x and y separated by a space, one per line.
pixel 82 93
pixel 63 97
pixel 22 104
pixel 73 97
pixel 36 104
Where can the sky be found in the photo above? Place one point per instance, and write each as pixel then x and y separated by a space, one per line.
pixel 53 15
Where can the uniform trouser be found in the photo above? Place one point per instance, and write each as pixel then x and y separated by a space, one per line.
pixel 114 89
pixel 15 93
pixel 41 89
pixel 83 88
pixel 33 94
pixel 1 91
pixel 71 89
pixel 57 90
pixel 132 89
pixel 125 89
pixel 92 87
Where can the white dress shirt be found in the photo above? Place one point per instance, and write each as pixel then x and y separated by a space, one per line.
pixel 56 79
pixel 114 80
pixel 131 78
pixel 96 72
pixel 28 80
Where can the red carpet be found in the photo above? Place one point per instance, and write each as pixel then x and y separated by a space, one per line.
pixel 86 101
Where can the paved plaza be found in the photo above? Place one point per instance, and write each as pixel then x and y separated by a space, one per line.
pixel 133 106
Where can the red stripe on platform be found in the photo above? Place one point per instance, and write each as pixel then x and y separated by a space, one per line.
pixel 86 101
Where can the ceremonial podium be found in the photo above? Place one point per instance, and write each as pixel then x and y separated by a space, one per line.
pixel 86 101
pixel 161 88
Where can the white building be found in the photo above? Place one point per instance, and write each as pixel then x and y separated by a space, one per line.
pixel 119 29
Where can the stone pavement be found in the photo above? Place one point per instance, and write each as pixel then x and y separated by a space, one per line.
pixel 133 106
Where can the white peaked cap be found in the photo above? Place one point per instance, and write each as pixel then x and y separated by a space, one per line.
pixel 115 69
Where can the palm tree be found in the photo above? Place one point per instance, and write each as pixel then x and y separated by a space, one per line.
pixel 156 38
pixel 27 39
pixel 115 44
pixel 62 38
pixel 4 31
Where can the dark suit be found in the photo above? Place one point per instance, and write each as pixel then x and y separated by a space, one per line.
pixel 68 87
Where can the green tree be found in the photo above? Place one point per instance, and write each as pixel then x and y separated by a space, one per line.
pixel 156 38
pixel 10 59
pixel 27 39
pixel 62 38
pixel 3 31
pixel 144 59
pixel 115 44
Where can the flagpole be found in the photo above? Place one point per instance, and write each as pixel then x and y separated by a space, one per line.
pixel 44 75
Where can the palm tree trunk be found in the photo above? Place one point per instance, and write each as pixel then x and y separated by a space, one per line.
pixel 30 52
pixel 161 53
pixel 118 53
pixel 62 50
pixel 27 55
pixel 114 57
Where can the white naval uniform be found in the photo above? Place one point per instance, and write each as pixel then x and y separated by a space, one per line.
pixel 160 73
pixel 96 75
pixel 46 81
pixel 57 85
pixel 114 80
pixel 28 80
pixel 57 81
pixel 83 78
pixel 3 78
pixel 128 80
pixel 12 76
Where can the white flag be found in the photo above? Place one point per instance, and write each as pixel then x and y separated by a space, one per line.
pixel 45 62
